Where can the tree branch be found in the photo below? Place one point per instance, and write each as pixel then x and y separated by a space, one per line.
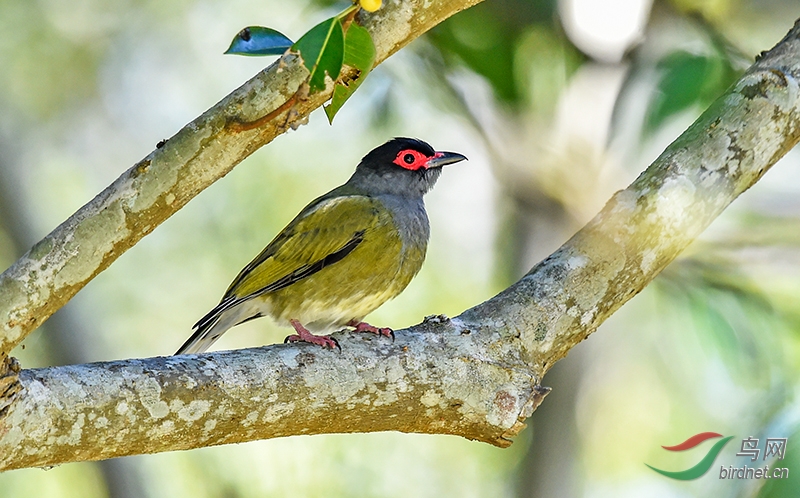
pixel 206 149
pixel 476 375
pixel 429 380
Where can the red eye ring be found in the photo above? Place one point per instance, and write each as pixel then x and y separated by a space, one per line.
pixel 411 159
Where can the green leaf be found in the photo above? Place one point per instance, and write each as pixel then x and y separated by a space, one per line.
pixel 322 51
pixel 258 40
pixel 359 53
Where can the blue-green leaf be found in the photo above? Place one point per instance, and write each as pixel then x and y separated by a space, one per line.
pixel 359 53
pixel 258 40
pixel 322 51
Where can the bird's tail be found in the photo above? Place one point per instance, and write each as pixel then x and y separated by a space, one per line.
pixel 211 327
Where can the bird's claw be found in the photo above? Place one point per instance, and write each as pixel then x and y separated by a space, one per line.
pixel 324 341
pixel 365 327
pixel 303 335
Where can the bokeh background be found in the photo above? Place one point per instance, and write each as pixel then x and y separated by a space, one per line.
pixel 557 103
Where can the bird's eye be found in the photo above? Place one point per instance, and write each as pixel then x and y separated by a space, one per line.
pixel 409 158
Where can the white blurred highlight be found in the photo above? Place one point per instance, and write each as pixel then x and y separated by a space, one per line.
pixel 604 30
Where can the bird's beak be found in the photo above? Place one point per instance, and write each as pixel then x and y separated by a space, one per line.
pixel 441 158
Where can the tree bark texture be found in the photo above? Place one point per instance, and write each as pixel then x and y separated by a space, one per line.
pixel 477 375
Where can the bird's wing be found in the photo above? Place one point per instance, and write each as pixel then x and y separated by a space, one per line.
pixel 322 234
pixel 325 232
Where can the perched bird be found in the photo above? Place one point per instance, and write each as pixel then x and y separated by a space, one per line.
pixel 346 253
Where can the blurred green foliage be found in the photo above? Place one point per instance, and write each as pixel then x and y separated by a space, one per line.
pixel 34 55
pixel 737 320
pixel 506 42
pixel 688 79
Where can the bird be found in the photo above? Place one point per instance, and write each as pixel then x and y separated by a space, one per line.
pixel 344 255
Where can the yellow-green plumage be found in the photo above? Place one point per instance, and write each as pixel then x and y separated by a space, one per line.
pixel 323 229
pixel 345 254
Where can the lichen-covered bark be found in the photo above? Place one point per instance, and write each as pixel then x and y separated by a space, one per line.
pixel 206 149
pixel 434 379
pixel 476 375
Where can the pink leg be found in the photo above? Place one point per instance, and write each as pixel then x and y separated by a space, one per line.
pixel 365 327
pixel 303 335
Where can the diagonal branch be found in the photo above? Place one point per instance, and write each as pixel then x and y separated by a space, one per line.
pixel 206 149
pixel 476 375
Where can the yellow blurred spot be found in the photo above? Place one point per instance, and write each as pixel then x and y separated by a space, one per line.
pixel 370 5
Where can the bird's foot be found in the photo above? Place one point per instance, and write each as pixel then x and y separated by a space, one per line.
pixel 365 327
pixel 303 335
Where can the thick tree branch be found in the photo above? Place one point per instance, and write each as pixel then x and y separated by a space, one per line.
pixel 57 267
pixel 476 375
pixel 429 380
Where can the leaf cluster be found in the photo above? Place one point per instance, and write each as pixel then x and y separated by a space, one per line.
pixel 326 49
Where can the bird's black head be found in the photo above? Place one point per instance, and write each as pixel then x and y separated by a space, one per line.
pixel 402 166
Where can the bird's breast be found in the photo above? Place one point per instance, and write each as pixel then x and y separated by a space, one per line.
pixel 411 221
